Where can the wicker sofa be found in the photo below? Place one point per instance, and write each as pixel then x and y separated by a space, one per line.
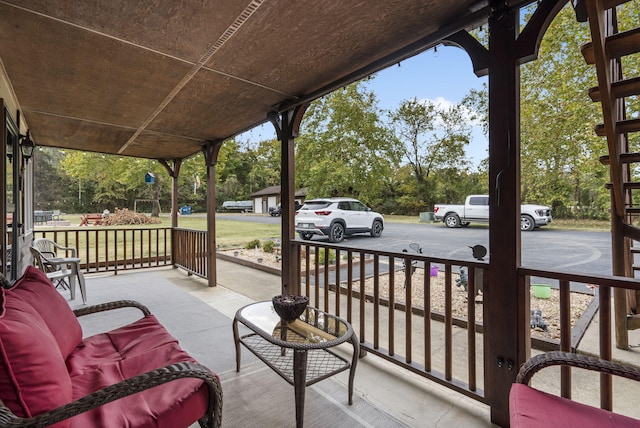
pixel 529 407
pixel 135 376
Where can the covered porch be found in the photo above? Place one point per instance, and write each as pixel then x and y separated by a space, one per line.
pixel 134 81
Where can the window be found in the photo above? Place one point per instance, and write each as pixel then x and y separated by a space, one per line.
pixel 10 208
pixel 479 200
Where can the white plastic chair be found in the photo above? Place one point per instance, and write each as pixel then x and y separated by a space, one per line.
pixel 59 267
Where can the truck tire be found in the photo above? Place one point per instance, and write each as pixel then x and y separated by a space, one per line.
pixel 526 223
pixel 336 233
pixel 452 220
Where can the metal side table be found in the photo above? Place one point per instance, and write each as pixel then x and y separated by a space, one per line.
pixel 299 351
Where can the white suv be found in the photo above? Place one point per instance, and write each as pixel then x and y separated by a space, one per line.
pixel 337 218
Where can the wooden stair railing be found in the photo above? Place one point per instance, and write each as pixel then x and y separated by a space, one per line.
pixel 606 49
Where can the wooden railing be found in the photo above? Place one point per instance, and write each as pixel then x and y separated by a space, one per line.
pixel 602 286
pixel 111 249
pixel 393 314
pixel 190 251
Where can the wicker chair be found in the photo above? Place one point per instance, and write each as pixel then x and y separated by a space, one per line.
pixel 529 407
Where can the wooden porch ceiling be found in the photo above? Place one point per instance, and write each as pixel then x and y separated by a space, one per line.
pixel 157 78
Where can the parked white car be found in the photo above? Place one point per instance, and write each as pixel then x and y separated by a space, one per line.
pixel 337 218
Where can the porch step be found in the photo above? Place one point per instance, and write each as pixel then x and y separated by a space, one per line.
pixel 621 89
pixel 624 158
pixel 616 46
pixel 626 186
pixel 622 127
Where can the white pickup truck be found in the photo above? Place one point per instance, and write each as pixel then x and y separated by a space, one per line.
pixel 476 208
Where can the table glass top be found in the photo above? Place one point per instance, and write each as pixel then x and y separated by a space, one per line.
pixel 313 326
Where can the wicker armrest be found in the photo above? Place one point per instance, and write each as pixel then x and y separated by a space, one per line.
pixel 131 386
pixel 110 306
pixel 538 362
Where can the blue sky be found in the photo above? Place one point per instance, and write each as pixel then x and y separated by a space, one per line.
pixel 443 77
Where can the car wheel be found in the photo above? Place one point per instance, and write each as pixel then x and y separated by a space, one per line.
pixel 526 223
pixel 305 235
pixel 336 233
pixel 452 220
pixel 376 229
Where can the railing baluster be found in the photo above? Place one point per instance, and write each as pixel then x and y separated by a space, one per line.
pixel 606 387
pixel 337 286
pixel 106 250
pixel 362 298
pixel 471 327
pixel 427 316
pixel 350 286
pixel 307 270
pixel 448 324
pixel 316 275
pixel 116 242
pixel 327 259
pixel 376 301
pixel 408 301
pixel 392 305
pixel 565 336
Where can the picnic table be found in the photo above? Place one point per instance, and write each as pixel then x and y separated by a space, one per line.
pixel 95 218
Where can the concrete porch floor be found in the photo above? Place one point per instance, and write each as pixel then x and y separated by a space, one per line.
pixel 411 399
pixel 408 398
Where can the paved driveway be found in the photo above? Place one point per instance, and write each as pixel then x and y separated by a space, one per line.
pixel 544 248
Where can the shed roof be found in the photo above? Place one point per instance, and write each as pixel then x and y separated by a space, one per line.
pixel 157 79
pixel 275 190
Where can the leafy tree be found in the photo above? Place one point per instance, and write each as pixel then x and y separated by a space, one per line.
pixel 344 149
pixel 118 180
pixel 433 139
pixel 559 151
pixel 52 189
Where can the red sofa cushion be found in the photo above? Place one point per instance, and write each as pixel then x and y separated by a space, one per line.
pixel 529 407
pixel 35 288
pixel 33 374
pixel 108 358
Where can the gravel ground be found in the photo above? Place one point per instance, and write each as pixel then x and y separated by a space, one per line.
pixel 550 307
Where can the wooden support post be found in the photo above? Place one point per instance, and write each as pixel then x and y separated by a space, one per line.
pixel 174 173
pixel 506 337
pixel 287 125
pixel 211 150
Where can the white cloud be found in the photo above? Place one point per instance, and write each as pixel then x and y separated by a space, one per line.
pixel 443 104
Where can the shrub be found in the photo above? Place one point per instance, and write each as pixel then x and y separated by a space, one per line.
pixel 252 244
pixel 321 256
pixel 268 247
